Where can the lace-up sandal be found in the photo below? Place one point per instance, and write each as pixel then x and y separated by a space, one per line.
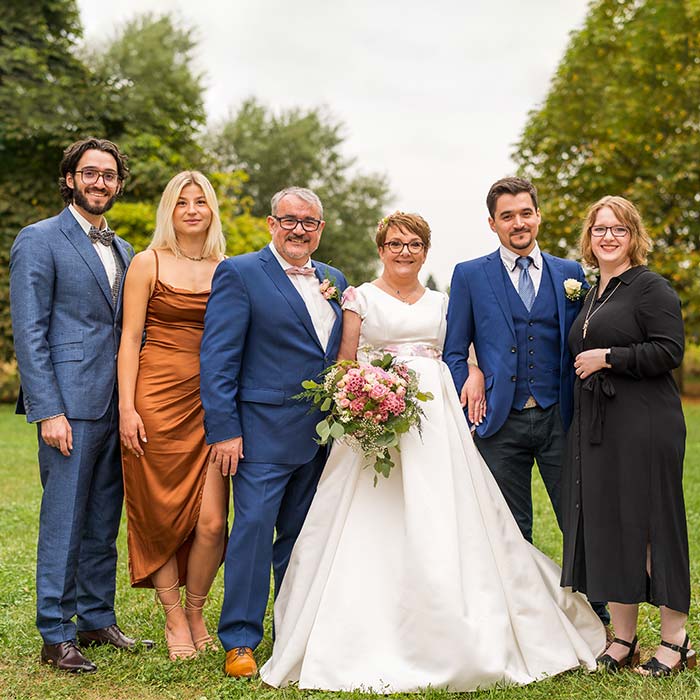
pixel 196 603
pixel 176 650
pixel 612 665
pixel 656 669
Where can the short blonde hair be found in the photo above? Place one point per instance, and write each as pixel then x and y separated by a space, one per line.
pixel 164 235
pixel 626 213
pixel 409 223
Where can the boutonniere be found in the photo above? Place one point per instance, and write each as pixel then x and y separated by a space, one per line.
pixel 329 289
pixel 573 289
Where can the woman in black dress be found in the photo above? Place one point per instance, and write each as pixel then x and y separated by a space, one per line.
pixel 625 536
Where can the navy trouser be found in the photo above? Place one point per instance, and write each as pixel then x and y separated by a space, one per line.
pixel 267 498
pixel 78 525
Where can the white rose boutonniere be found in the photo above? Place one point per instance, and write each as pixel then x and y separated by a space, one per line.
pixel 573 289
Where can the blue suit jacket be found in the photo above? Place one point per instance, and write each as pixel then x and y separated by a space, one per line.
pixel 479 313
pixel 66 327
pixel 259 344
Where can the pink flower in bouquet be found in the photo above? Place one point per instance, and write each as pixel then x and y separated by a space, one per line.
pixel 400 391
pixel 378 392
pixel 393 404
pixel 402 371
pixel 344 402
pixel 369 414
pixel 357 405
pixel 354 383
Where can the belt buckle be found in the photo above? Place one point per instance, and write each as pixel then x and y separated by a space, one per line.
pixel 530 403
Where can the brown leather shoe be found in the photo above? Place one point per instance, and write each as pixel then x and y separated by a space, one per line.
pixel 111 635
pixel 240 663
pixel 67 657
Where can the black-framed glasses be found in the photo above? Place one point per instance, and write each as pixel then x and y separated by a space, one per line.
pixel 617 231
pixel 289 223
pixel 397 246
pixel 90 176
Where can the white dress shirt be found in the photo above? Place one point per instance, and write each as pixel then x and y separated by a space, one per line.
pixel 508 257
pixel 319 308
pixel 104 252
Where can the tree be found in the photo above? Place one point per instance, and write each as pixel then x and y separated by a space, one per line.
pixel 430 283
pixel 303 147
pixel 622 116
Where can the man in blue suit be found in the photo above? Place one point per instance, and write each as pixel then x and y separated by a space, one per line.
pixel 268 327
pixel 512 306
pixel 65 292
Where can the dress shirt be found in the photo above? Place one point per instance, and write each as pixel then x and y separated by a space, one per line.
pixel 319 308
pixel 508 257
pixel 103 251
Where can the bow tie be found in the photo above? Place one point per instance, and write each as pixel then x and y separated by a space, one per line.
pixel 295 270
pixel 105 236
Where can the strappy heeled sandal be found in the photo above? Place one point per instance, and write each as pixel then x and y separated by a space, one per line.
pixel 612 665
pixel 688 659
pixel 176 650
pixel 196 603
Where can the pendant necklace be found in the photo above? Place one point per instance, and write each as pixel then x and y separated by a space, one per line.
pixel 189 257
pixel 402 298
pixel 590 313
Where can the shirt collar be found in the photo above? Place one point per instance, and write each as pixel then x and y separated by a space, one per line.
pixel 82 221
pixel 283 262
pixel 509 257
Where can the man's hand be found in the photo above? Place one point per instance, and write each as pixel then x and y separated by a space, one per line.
pixel 56 432
pixel 473 395
pixel 225 455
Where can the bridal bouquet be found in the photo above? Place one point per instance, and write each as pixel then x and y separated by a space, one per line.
pixel 369 406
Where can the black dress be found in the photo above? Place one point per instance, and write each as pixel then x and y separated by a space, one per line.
pixel 622 481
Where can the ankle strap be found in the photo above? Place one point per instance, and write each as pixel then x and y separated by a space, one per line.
pixel 625 643
pixel 195 601
pixel 682 650
pixel 168 607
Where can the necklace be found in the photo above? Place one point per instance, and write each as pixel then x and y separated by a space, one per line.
pixel 590 313
pixel 189 257
pixel 402 297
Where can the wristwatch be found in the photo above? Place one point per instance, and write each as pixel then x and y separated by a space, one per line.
pixel 608 358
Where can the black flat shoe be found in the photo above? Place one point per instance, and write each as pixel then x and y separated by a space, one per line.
pixel 688 659
pixel 609 663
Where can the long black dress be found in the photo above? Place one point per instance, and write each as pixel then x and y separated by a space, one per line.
pixel 622 482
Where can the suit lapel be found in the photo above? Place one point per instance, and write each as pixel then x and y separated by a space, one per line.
pixel 72 231
pixel 556 271
pixel 281 280
pixel 337 309
pixel 494 273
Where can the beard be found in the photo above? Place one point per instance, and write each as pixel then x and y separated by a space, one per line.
pixel 82 201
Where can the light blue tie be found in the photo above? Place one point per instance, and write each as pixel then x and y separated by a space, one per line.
pixel 526 288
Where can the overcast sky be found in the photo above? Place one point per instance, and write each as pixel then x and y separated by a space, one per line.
pixel 432 94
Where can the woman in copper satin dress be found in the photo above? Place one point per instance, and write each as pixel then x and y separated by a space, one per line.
pixel 176 502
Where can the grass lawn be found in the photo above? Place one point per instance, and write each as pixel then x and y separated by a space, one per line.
pixel 151 676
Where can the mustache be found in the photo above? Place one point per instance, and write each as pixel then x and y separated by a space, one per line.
pixel 297 239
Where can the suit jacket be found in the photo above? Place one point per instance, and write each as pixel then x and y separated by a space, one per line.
pixel 65 324
pixel 259 344
pixel 479 313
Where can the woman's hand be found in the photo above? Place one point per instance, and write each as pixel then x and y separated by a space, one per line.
pixel 473 395
pixel 590 361
pixel 131 429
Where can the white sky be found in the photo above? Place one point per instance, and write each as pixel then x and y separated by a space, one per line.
pixel 432 94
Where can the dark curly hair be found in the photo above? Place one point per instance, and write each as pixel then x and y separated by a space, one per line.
pixel 73 154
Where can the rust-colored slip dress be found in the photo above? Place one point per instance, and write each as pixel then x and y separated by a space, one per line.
pixel 163 489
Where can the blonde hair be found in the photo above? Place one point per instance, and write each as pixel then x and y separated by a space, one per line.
pixel 164 235
pixel 626 213
pixel 410 223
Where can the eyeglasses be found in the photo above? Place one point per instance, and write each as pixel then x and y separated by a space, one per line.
pixel 90 176
pixel 617 231
pixel 289 223
pixel 397 246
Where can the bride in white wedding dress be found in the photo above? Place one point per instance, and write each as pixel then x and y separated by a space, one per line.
pixel 425 579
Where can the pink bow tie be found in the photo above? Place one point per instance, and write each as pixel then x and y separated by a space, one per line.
pixel 295 270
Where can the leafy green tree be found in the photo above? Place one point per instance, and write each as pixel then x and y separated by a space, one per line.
pixel 622 117
pixel 303 147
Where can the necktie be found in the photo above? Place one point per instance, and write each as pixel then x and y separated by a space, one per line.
pixel 295 270
pixel 105 236
pixel 526 288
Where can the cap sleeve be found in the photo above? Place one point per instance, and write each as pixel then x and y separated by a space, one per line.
pixel 354 300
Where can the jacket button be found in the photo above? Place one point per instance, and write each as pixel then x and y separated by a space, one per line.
pixel 532 381
pixel 513 349
pixel 531 366
pixel 531 337
pixel 513 378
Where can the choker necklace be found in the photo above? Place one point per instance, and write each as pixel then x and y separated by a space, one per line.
pixel 189 257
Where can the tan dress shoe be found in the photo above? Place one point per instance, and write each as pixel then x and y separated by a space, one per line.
pixel 240 663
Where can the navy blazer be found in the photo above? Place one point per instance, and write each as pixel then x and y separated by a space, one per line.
pixel 65 324
pixel 479 313
pixel 259 344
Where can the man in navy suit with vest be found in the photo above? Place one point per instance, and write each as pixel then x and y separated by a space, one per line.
pixel 512 306
pixel 268 327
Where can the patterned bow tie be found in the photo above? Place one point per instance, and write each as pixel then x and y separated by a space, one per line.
pixel 295 270
pixel 105 236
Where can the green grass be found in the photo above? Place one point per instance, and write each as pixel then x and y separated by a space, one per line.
pixel 151 676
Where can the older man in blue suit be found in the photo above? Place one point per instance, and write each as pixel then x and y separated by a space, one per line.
pixel 270 324
pixel 65 288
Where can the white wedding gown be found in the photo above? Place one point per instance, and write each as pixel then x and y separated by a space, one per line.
pixel 425 579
